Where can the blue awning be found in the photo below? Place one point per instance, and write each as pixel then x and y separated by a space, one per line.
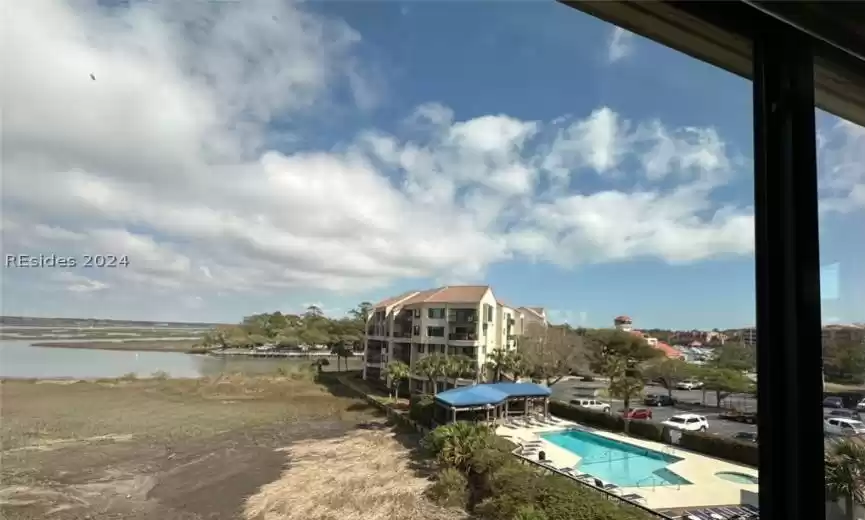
pixel 489 394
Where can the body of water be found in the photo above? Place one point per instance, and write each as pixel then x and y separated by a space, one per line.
pixel 21 360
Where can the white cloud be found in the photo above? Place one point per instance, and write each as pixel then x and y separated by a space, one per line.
pixel 77 283
pixel 841 163
pixel 160 158
pixel 620 44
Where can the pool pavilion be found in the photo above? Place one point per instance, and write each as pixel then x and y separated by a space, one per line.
pixel 491 402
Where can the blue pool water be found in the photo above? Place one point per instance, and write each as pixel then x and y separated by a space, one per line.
pixel 620 463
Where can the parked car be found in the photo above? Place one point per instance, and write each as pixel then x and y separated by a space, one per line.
pixel 687 421
pixel 848 414
pixel 833 402
pixel 689 384
pixel 745 436
pixel 843 426
pixel 637 413
pixel 591 404
pixel 861 405
pixel 659 400
pixel 739 416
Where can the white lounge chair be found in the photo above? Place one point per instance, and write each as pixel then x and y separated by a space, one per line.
pixel 633 497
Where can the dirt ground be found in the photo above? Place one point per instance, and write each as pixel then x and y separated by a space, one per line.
pixel 231 447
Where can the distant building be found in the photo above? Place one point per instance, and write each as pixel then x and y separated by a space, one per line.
pixel 698 338
pixel 626 324
pixel 747 336
pixel 834 334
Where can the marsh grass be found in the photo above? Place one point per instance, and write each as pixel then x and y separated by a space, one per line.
pixel 366 475
pixel 161 409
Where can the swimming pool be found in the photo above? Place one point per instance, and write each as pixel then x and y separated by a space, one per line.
pixel 620 463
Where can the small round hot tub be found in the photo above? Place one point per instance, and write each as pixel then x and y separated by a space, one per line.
pixel 738 478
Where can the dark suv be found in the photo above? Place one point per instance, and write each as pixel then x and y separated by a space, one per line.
pixel 658 400
pixel 833 402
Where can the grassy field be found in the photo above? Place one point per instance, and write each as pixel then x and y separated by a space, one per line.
pixel 232 446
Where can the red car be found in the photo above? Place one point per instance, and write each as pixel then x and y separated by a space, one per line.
pixel 637 413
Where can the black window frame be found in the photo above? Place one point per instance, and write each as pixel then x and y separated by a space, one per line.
pixel 430 329
pixel 781 47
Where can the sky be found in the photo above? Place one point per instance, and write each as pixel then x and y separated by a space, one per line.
pixel 237 159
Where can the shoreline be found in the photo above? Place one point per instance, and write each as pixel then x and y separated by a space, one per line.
pixel 132 346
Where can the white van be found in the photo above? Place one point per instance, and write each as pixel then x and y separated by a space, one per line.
pixel 591 404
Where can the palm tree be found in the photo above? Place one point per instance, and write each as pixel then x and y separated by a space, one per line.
pixel 499 361
pixel 398 371
pixel 460 366
pixel 454 444
pixel 845 475
pixel 432 367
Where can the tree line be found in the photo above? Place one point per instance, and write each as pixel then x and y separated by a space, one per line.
pixel 626 360
pixel 310 330
pixel 844 362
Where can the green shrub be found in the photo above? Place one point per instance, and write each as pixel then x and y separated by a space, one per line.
pixel 421 409
pixel 648 430
pixel 529 512
pixel 722 448
pixel 451 489
pixel 517 491
pixel 590 417
pixel 454 444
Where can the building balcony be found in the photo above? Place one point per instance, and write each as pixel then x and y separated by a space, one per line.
pixel 402 334
pixel 463 340
pixel 467 317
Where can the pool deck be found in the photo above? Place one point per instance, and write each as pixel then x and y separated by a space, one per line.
pixel 705 489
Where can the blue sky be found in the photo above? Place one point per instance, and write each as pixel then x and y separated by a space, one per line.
pixel 355 171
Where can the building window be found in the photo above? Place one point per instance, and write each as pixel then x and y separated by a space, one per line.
pixel 415 330
pixel 435 332
pixel 436 314
pixel 420 348
pixel 416 313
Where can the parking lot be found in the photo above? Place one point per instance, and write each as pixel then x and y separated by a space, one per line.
pixel 571 389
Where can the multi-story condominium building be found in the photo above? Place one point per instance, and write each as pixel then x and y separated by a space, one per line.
pixel 748 336
pixel 834 334
pixel 452 320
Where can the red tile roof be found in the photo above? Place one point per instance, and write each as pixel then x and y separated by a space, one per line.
pixel 623 318
pixel 668 351
pixel 387 302
pixel 537 311
pixel 450 294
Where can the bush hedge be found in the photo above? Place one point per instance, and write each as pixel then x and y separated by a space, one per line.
pixel 421 409
pixel 711 445
pixel 728 449
pixel 648 430
pixel 585 416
